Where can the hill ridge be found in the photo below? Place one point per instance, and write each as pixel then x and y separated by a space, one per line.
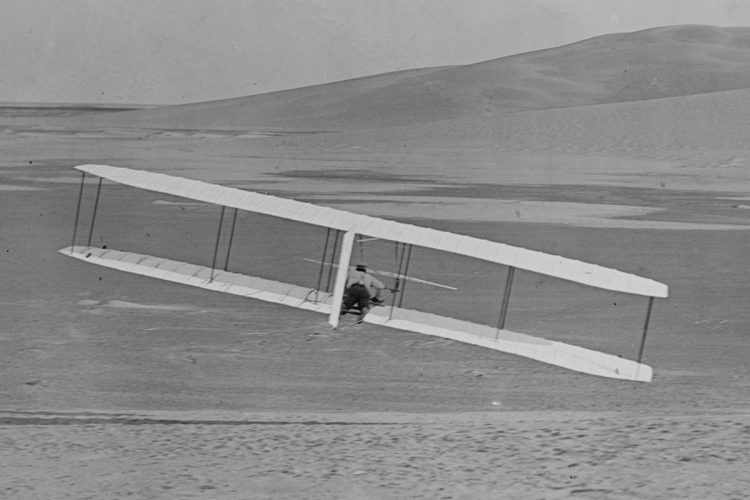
pixel 667 61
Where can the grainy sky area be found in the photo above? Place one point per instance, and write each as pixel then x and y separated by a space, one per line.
pixel 176 51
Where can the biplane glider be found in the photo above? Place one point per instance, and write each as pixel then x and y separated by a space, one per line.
pixel 343 228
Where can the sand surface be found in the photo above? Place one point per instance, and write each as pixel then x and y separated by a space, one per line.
pixel 114 386
pixel 508 455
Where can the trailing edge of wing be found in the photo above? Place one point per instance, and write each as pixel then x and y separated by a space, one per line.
pixel 521 258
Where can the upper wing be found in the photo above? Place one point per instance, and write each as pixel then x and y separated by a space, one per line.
pixel 521 258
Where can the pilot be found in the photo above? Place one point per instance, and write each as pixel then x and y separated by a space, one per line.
pixel 361 288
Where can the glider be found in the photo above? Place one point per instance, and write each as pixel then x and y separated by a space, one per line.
pixel 346 227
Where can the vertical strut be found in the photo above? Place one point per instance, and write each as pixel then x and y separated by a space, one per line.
pixel 399 258
pixel 231 239
pixel 406 273
pixel 322 263
pixel 645 328
pixel 93 215
pixel 506 300
pixel 343 270
pixel 78 212
pixel 216 246
pixel 332 267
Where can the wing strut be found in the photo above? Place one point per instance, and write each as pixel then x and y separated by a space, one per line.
pixel 343 270
pixel 78 212
pixel 322 266
pixel 399 259
pixel 332 266
pixel 231 239
pixel 406 273
pixel 93 214
pixel 506 301
pixel 645 328
pixel 216 246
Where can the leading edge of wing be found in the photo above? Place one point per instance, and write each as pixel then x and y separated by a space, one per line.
pixel 522 258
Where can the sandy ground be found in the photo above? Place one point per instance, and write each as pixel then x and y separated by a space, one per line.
pixel 507 455
pixel 117 386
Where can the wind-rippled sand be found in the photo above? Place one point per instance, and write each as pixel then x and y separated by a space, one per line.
pixel 505 455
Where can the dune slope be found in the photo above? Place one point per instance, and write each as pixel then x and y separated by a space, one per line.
pixel 655 63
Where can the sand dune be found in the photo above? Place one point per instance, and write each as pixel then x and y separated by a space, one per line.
pixel 662 108
pixel 650 64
